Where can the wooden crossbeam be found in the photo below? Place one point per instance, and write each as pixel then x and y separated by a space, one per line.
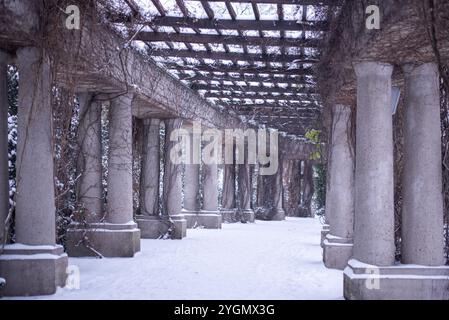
pixel 272 25
pixel 240 77
pixel 256 96
pixel 250 57
pixel 296 106
pixel 226 39
pixel 239 69
pixel 298 2
pixel 234 88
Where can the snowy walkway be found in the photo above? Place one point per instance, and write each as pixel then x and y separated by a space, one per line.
pixel 265 260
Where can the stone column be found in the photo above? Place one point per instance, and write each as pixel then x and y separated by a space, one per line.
pixel 228 202
pixel 269 196
pixel 192 181
pixel 89 166
pixel 245 190
pixel 422 213
pixel 26 273
pixel 119 201
pixel 307 190
pixel 149 222
pixel 279 213
pixel 340 198
pixel 211 218
pixel 4 173
pixel 172 191
pixel 118 235
pixel 374 203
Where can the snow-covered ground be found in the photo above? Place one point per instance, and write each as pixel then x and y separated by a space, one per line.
pixel 264 260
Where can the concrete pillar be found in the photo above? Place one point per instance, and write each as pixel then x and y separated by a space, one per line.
pixel 422 213
pixel 279 213
pixel 210 214
pixel 374 213
pixel 150 167
pixel 340 198
pixel 119 200
pixel 269 196
pixel 308 189
pixel 192 181
pixel 25 272
pixel 149 221
pixel 4 174
pixel 118 236
pixel 374 186
pixel 172 191
pixel 245 190
pixel 89 166
pixel 228 201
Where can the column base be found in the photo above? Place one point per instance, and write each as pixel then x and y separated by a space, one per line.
pixel 32 270
pixel 324 233
pixel 398 282
pixel 248 215
pixel 105 239
pixel 153 227
pixel 204 219
pixel 278 215
pixel 270 214
pixel 337 252
pixel 229 215
pixel 179 230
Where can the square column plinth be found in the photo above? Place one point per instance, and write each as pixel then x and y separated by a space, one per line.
pixel 397 282
pixel 106 239
pixel 336 251
pixel 32 270
pixel 203 219
pixel 158 227
pixel 248 215
pixel 324 232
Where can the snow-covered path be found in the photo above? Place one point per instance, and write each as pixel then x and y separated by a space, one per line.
pixel 265 260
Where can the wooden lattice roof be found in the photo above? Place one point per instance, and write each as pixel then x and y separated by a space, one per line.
pixel 253 57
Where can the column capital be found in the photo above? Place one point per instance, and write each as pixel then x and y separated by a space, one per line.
pixel 414 69
pixel 364 68
pixel 341 108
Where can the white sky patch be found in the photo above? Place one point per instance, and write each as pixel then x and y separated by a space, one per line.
pixel 254 49
pixel 228 32
pixel 165 29
pixel 314 14
pixel 271 33
pixel 314 34
pixel 226 62
pixel 187 30
pixel 273 50
pixel 250 33
pixel 292 12
pixel 293 34
pixel 147 7
pixel 268 11
pixel 179 46
pixel 171 7
pixel 208 31
pixel 159 45
pixel 235 48
pixel 198 47
pixel 220 10
pixel 244 11
pixel 195 9
pixel 217 47
pixel 243 63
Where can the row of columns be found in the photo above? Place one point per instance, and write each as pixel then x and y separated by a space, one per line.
pixel 103 223
pixel 360 191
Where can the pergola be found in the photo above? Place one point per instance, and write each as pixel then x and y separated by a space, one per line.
pixel 255 58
